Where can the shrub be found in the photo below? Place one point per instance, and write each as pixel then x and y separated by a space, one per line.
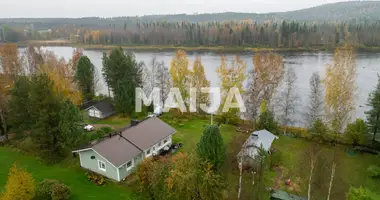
pixel 26 145
pixel 356 132
pixel 20 185
pixel 44 189
pixel 106 130
pixel 267 121
pixel 50 189
pixel 296 131
pixel 319 131
pixel 96 178
pixel 60 192
pixel 358 194
pixel 276 159
pixel 373 171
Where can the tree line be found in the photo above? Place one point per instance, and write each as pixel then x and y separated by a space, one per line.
pixel 245 33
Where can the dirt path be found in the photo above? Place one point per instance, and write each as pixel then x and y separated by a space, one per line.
pixel 278 178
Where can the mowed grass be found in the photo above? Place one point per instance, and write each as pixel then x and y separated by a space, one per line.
pixel 73 176
pixel 351 169
pixel 190 132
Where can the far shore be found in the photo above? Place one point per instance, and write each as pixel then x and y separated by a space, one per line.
pixel 216 49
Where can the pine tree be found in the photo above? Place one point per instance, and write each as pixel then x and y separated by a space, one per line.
pixel 85 75
pixel 20 117
pixel 20 185
pixel 211 147
pixel 70 125
pixel 123 75
pixel 45 115
pixel 373 115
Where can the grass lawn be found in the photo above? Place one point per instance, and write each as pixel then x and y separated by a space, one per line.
pixel 190 132
pixel 351 169
pixel 73 176
pixel 115 121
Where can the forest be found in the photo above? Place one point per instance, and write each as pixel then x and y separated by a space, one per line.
pixel 357 24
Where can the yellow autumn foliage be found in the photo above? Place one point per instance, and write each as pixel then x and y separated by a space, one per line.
pixel 340 88
pixel 20 185
pixel 269 71
pixel 61 74
pixel 199 81
pixel 232 75
pixel 180 73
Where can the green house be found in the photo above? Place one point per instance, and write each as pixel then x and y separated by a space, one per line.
pixel 116 155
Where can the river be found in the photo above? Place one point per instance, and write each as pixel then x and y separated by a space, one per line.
pixel 303 63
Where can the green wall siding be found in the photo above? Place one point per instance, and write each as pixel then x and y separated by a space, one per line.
pixel 111 171
pixel 92 164
pixel 123 170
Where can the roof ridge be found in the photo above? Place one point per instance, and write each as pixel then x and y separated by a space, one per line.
pixel 121 135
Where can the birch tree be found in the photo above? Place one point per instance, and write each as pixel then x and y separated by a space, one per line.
pixel 264 80
pixel 231 75
pixel 288 99
pixel 315 108
pixel 156 74
pixel 199 81
pixel 180 73
pixel 340 88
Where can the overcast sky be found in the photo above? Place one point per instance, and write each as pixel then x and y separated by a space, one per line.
pixel 110 8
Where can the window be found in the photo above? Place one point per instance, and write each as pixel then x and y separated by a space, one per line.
pixel 129 165
pixel 154 148
pixel 159 144
pixel 148 152
pixel 102 165
pixel 165 141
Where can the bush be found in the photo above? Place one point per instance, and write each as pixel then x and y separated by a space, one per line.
pixel 26 145
pixel 96 178
pixel 20 185
pixel 44 189
pixel 276 159
pixel 268 122
pixel 358 194
pixel 296 131
pixel 60 192
pixel 356 132
pixel 50 189
pixel 373 171
pixel 105 130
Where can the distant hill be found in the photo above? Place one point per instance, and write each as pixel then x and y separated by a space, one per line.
pixel 335 11
pixel 359 10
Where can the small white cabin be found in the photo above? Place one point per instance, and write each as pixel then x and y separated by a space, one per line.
pixel 101 110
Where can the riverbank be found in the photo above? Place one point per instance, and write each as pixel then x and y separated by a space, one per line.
pixel 216 49
pixel 150 48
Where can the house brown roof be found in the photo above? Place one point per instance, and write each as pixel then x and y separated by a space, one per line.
pixel 117 150
pixel 133 140
pixel 148 132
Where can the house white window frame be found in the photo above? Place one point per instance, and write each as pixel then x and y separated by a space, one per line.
pixel 166 140
pixel 148 154
pixel 99 165
pixel 132 164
